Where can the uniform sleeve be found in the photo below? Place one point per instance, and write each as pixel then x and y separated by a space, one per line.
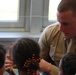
pixel 44 46
pixel 45 42
pixel 54 70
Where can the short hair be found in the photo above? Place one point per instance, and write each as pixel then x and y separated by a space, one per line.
pixel 23 50
pixel 68 64
pixel 66 5
pixel 2 55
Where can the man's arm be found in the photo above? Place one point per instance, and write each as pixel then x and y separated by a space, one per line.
pixel 47 67
pixel 45 41
pixel 44 46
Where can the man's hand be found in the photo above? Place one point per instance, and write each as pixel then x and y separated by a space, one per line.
pixel 45 66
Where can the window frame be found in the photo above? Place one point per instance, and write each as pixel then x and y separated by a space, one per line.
pixel 15 25
pixel 34 20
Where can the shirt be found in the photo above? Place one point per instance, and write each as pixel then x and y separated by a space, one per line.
pixel 53 43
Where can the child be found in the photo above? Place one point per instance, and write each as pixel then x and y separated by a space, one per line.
pixel 26 56
pixel 67 65
pixel 2 59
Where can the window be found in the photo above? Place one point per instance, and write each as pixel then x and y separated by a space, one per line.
pixel 50 8
pixel 12 15
pixel 29 15
pixel 53 10
pixel 9 10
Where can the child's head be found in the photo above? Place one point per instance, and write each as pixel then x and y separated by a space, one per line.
pixel 26 55
pixel 67 64
pixel 2 59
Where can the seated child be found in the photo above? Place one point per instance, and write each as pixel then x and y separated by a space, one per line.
pixel 2 59
pixel 26 56
pixel 67 65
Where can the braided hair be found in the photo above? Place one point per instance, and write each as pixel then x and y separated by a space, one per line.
pixel 26 55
